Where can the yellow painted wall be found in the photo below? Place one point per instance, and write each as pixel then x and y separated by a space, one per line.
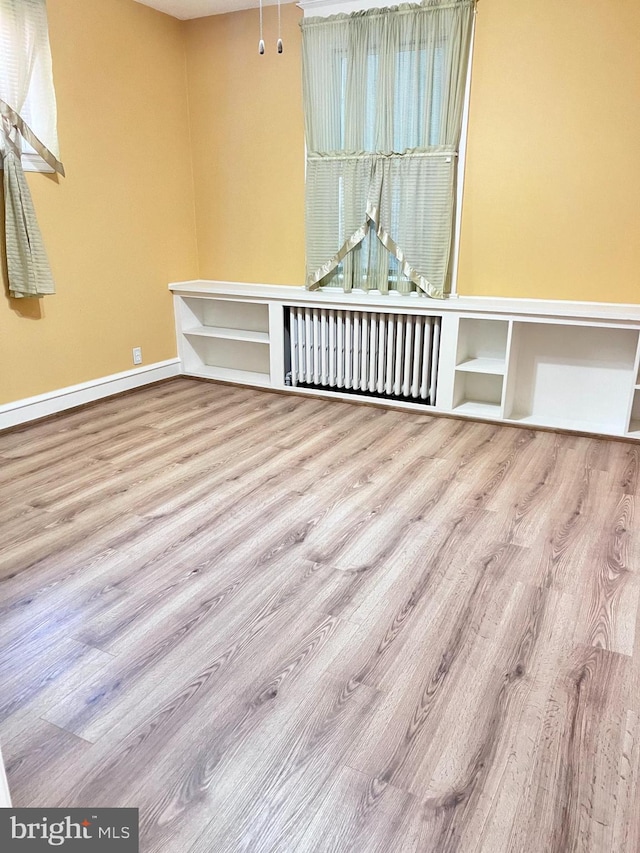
pixel 248 146
pixel 552 189
pixel 552 181
pixel 120 226
pixel 551 193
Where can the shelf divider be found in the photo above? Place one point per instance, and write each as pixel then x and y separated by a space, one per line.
pixel 228 334
pixel 476 408
pixel 228 374
pixel 483 364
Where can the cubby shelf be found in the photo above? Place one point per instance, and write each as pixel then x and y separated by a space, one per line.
pixel 481 362
pixel 225 339
pixel 228 374
pixel 572 377
pixel 228 334
pixel 483 365
pixel 477 392
pixel 478 409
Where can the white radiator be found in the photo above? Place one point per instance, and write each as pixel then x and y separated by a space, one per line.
pixel 384 355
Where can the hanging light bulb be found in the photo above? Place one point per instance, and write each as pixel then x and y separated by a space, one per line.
pixel 261 42
pixel 279 42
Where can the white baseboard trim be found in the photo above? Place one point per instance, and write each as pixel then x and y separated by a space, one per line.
pixel 32 408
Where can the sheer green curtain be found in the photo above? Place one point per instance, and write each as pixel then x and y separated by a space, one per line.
pixel 27 122
pixel 384 94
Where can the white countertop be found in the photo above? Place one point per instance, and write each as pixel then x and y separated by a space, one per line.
pixel 527 308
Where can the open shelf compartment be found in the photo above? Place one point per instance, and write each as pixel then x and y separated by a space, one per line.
pixel 225 319
pixel 229 334
pixel 482 345
pixel 480 366
pixel 229 359
pixel 477 394
pixel 571 377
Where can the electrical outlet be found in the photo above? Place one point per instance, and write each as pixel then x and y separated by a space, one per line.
pixel 137 355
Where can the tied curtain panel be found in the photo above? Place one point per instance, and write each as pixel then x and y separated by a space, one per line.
pixel 384 95
pixel 27 122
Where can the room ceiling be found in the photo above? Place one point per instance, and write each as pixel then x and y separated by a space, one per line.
pixel 185 9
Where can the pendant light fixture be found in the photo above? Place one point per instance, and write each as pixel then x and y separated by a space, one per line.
pixel 279 41
pixel 261 42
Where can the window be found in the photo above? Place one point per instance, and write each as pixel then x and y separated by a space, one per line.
pixel 27 119
pixel 26 82
pixel 384 93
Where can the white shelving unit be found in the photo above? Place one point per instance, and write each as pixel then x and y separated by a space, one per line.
pixel 571 366
pixel 481 363
pixel 225 339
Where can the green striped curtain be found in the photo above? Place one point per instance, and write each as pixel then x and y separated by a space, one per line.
pixel 384 94
pixel 27 120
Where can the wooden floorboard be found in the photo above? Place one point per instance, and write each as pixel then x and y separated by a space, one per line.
pixel 276 623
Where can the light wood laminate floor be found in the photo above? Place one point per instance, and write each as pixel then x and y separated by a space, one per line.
pixel 277 623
